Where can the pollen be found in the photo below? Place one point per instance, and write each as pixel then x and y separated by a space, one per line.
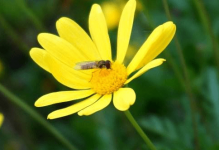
pixel 106 81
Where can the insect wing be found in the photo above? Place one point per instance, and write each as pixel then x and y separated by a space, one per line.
pixel 85 65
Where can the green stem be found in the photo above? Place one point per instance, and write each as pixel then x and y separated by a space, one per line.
pixel 30 15
pixel 36 116
pixel 146 12
pixel 188 86
pixel 207 25
pixel 178 46
pixel 167 54
pixel 13 35
pixel 139 130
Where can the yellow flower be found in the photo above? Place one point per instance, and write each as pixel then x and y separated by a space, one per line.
pixel 96 86
pixel 112 13
pixel 1 119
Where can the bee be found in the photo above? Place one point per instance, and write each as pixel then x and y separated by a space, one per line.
pixel 85 65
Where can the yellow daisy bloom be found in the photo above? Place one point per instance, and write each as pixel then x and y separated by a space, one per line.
pixel 1 119
pixel 97 86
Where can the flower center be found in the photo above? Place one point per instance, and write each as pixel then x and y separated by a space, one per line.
pixel 106 81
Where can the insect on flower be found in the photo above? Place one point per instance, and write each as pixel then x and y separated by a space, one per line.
pixel 64 55
pixel 85 65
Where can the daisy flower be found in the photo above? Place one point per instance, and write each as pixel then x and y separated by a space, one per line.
pixel 98 87
pixel 1 119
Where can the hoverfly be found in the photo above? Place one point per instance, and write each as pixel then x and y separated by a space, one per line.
pixel 85 65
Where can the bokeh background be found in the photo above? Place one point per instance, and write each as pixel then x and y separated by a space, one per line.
pixel 177 103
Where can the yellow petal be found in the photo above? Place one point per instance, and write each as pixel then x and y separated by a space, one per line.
pixel 60 49
pixel 124 30
pixel 99 32
pixel 74 34
pixel 99 105
pixel 63 96
pixel 74 108
pixel 150 65
pixel 37 55
pixel 1 119
pixel 68 76
pixel 154 45
pixel 123 98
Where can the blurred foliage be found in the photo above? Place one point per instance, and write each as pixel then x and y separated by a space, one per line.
pixel 162 107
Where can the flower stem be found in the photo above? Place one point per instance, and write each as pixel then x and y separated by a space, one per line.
pixel 36 116
pixel 23 6
pixel 188 86
pixel 7 28
pixel 166 53
pixel 139 130
pixel 207 25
